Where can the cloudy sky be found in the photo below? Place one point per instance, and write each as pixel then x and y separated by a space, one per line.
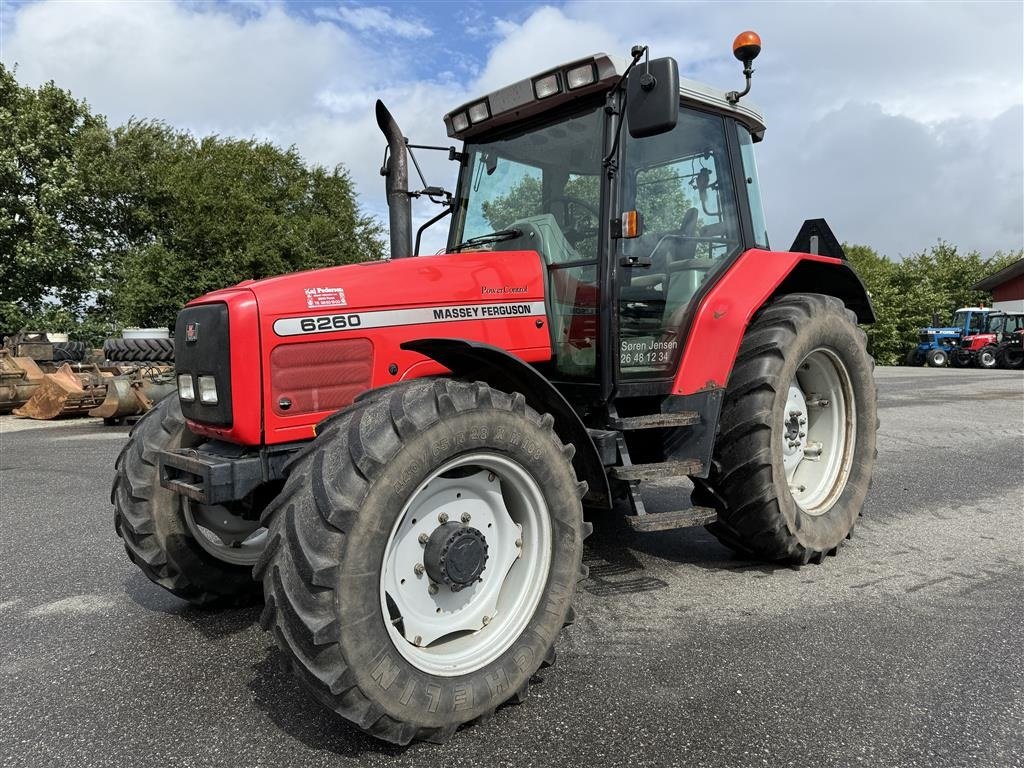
pixel 901 123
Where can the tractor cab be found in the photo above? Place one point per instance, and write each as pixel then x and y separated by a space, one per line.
pixel 547 161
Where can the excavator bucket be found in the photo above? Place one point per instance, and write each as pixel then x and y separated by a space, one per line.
pixel 64 393
pixel 132 396
pixel 19 379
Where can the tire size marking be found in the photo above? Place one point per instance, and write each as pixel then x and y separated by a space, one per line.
pixel 387 318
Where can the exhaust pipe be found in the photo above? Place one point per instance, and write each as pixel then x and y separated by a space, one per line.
pixel 396 171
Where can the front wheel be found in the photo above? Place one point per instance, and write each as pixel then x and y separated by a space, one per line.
pixel 987 357
pixel 201 554
pixel 937 358
pixel 423 557
pixel 796 443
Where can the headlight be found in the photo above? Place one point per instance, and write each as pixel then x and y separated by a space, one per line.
pixel 460 122
pixel 185 389
pixel 546 86
pixel 479 112
pixel 207 390
pixel 577 78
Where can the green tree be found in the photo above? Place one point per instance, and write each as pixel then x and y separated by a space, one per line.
pixel 196 215
pixel 51 212
pixel 906 294
pixel 664 199
pixel 102 228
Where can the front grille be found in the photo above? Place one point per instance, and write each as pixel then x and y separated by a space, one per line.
pixel 202 348
pixel 925 338
pixel 319 375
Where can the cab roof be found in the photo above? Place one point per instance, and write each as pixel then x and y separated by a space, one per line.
pixel 520 100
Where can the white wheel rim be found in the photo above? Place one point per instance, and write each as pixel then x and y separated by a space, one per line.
pixel 225 536
pixel 818 432
pixel 445 632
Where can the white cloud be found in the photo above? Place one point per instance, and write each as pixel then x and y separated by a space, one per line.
pixel 901 123
pixel 376 20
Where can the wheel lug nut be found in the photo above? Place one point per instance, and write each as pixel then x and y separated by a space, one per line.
pixel 423 539
pixel 465 517
pixel 490 477
pixel 432 589
pixel 442 518
pixel 418 640
pixel 419 569
pixel 519 542
pixel 487 620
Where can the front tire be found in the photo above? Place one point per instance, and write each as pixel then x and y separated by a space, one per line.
pixel 796 444
pixel 987 357
pixel 937 358
pixel 359 595
pixel 160 532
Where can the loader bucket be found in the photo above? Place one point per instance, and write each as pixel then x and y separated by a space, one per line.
pixel 19 379
pixel 62 394
pixel 133 395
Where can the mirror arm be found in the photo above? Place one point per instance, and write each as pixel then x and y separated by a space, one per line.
pixel 419 232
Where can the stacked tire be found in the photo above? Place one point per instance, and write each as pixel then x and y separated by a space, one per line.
pixel 68 351
pixel 139 350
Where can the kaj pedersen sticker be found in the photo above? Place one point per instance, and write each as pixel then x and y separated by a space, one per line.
pixel 325 297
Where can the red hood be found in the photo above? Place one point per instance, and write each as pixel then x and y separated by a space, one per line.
pixel 418 281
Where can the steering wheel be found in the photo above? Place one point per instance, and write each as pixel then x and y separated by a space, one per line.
pixel 574 233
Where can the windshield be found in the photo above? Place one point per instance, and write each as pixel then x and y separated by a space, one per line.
pixel 542 178
pixel 977 321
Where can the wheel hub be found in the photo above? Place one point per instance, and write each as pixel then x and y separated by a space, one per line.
pixel 455 555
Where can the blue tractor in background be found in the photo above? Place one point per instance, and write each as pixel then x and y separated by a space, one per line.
pixel 935 344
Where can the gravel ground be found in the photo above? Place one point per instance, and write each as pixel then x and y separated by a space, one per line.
pixel 905 650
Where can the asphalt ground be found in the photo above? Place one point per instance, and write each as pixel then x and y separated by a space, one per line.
pixel 905 650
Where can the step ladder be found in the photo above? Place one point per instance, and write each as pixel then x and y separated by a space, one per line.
pixel 633 474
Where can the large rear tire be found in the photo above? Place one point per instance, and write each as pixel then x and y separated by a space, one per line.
pixel 174 542
pixel 358 598
pixel 960 358
pixel 1011 357
pixel 795 449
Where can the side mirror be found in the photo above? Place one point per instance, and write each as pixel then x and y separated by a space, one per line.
pixel 652 98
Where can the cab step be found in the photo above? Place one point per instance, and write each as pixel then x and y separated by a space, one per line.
pixel 656 471
pixel 666 521
pixel 655 421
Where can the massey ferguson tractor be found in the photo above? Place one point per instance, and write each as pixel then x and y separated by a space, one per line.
pixel 397 454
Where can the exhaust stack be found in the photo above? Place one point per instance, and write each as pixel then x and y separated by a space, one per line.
pixel 396 172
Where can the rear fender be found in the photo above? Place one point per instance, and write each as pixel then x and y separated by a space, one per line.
pixel 755 278
pixel 477 361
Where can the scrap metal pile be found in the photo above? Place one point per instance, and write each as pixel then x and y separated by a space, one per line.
pixel 44 379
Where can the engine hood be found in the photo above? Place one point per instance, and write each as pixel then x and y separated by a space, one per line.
pixel 464 278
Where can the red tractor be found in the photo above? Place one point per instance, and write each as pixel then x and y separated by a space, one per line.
pixel 397 454
pixel 983 349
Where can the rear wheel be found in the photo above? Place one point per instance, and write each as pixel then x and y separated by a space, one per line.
pixel 201 554
pixel 987 357
pixel 423 557
pixel 1011 357
pixel 937 358
pixel 960 358
pixel 912 358
pixel 796 444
